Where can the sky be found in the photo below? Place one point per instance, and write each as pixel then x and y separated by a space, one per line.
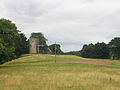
pixel 71 23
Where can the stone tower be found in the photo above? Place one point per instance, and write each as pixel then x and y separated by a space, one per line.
pixel 34 45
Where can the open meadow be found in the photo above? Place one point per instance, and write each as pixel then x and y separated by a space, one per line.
pixel 40 72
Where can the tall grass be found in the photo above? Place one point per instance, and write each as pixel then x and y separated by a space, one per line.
pixel 39 72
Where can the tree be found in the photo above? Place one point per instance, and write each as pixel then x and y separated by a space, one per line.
pixel 114 46
pixel 88 51
pixel 101 50
pixel 8 35
pixel 22 45
pixel 10 41
pixel 56 47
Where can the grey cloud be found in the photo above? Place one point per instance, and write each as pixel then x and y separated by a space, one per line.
pixel 27 11
pixel 71 23
pixel 24 8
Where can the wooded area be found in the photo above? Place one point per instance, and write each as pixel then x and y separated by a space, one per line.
pixel 102 50
pixel 12 42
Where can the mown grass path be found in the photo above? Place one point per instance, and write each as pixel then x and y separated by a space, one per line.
pixel 87 62
pixel 36 72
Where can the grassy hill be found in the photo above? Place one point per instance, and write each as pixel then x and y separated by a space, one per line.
pixel 39 72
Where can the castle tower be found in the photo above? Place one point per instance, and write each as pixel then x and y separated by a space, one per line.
pixel 34 45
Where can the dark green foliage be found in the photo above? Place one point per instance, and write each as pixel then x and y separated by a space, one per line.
pixel 99 50
pixel 22 45
pixel 56 47
pixel 114 46
pixel 42 42
pixel 44 49
pixel 10 41
pixel 87 51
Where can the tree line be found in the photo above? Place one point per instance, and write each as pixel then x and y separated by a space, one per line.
pixel 102 50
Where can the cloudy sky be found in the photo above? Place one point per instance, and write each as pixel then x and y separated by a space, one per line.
pixel 71 23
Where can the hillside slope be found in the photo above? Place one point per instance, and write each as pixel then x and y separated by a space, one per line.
pixel 40 72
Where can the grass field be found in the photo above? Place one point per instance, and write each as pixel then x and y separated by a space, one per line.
pixel 39 72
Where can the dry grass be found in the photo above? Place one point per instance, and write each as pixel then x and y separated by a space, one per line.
pixel 35 72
